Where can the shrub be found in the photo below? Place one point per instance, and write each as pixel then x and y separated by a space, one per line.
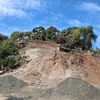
pixel 8 54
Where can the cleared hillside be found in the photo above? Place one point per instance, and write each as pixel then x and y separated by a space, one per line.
pixel 47 73
pixel 43 63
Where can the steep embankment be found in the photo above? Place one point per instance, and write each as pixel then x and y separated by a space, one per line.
pixel 44 64
pixel 50 73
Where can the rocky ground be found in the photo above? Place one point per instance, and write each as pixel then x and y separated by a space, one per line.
pixel 69 89
pixel 47 73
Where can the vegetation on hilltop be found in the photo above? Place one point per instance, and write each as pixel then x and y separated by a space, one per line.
pixel 73 38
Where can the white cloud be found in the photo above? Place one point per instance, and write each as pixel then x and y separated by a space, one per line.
pixel 34 4
pixel 18 7
pixel 89 6
pixel 75 22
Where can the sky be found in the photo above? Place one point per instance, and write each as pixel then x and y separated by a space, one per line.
pixel 24 15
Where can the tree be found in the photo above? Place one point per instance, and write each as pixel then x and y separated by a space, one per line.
pixel 79 37
pixel 8 54
pixel 71 36
pixel 39 33
pixel 52 33
pixel 87 37
pixel 28 35
pixel 38 29
pixel 61 39
pixel 17 35
pixel 3 37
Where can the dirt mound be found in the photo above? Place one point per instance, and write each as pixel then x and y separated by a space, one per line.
pixel 44 65
pixel 46 70
pixel 75 89
pixel 69 89
pixel 10 84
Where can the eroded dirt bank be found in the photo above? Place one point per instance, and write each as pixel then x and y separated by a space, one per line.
pixel 45 67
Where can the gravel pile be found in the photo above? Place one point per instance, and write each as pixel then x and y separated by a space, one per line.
pixel 10 84
pixel 18 98
pixel 70 89
pixel 73 89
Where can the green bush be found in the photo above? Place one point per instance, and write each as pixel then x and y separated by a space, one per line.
pixel 79 37
pixel 8 54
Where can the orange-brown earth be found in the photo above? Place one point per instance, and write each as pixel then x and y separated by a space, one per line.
pixel 43 64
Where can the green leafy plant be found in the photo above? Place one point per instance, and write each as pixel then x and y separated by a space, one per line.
pixel 8 54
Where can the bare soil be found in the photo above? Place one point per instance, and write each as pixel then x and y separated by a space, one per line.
pixel 75 74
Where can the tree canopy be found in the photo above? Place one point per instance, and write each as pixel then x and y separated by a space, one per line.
pixel 73 38
pixel 3 37
pixel 78 37
pixel 52 33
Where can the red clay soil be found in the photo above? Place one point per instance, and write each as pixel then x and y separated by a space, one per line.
pixel 85 65
pixel 91 65
pixel 44 62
